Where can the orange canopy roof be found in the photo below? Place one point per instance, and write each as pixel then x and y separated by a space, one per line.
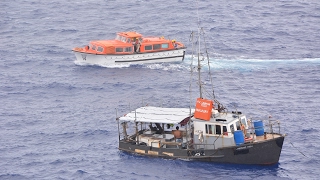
pixel 108 42
pixel 130 34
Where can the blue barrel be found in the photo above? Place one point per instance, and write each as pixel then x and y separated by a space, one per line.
pixel 258 126
pixel 238 137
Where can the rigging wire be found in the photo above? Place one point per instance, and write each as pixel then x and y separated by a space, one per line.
pixel 191 66
pixel 200 83
pixel 256 106
pixel 236 80
pixel 202 88
pixel 208 60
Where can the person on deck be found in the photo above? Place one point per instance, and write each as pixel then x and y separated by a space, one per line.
pixel 152 128
pixel 177 134
pixel 137 45
pixel 159 129
pixel 243 128
pixel 175 45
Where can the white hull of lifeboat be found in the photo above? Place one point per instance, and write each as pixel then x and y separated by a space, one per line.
pixel 176 55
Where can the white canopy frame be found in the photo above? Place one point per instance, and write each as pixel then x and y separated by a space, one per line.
pixel 151 114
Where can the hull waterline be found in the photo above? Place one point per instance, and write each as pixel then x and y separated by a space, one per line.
pixel 261 153
pixel 158 57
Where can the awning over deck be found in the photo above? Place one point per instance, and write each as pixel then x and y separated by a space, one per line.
pixel 158 115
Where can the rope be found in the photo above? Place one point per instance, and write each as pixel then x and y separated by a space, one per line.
pixel 298 149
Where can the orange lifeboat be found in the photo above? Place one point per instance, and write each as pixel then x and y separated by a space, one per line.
pixel 131 47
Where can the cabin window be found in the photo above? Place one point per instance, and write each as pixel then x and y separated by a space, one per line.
pixel 232 128
pixel 128 40
pixel 118 38
pixel 128 49
pixel 149 47
pixel 238 125
pixel 218 129
pixel 156 46
pixel 225 131
pixel 164 46
pixel 119 49
pixel 94 47
pixel 209 129
pixel 100 49
pixel 243 121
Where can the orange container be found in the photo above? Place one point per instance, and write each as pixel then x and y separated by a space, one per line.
pixel 203 109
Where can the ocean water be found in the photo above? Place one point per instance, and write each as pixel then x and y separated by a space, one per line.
pixel 57 117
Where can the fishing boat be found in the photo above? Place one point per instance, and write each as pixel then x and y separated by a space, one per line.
pixel 131 47
pixel 208 131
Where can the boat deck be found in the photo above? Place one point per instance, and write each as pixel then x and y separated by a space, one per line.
pixel 157 140
pixel 268 136
pixel 167 140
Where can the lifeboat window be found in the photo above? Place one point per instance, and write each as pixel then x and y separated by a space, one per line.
pixel 128 40
pixel 164 46
pixel 100 49
pixel 93 47
pixel 128 49
pixel 123 39
pixel 119 49
pixel 148 47
pixel 218 129
pixel 209 129
pixel 156 46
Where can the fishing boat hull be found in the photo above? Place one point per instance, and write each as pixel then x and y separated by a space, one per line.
pixel 258 153
pixel 176 55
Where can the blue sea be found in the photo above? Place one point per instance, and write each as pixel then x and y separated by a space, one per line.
pixel 58 117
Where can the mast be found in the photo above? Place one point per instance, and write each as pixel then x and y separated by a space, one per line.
pixel 199 66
